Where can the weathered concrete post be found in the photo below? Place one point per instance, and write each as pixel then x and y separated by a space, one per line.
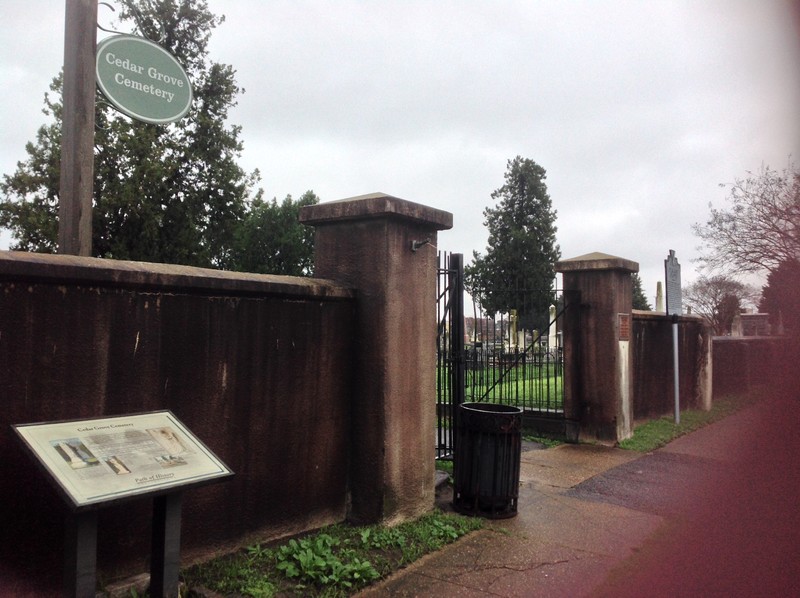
pixel 385 248
pixel 598 386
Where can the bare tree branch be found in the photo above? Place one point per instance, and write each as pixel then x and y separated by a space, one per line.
pixel 760 229
pixel 718 298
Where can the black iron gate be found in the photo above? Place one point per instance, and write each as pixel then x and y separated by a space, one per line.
pixel 449 350
pixel 491 360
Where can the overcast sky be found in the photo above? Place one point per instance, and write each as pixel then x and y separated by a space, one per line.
pixel 637 110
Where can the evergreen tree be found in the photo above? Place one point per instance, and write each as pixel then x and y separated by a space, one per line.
pixel 271 240
pixel 780 297
pixel 517 270
pixel 168 193
pixel 639 298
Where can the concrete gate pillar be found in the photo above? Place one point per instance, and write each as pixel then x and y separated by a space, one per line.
pixel 385 248
pixel 598 292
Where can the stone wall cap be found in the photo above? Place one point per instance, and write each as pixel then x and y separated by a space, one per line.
pixel 19 266
pixel 375 205
pixel 755 338
pixel 644 314
pixel 596 261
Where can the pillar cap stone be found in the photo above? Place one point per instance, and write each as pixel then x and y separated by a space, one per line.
pixel 374 205
pixel 596 261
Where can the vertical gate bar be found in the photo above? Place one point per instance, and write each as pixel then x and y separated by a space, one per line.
pixel 457 329
pixel 438 355
pixel 444 444
pixel 439 385
pixel 451 379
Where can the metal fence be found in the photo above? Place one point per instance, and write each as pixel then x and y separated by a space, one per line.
pixel 450 353
pixel 493 359
pixel 529 376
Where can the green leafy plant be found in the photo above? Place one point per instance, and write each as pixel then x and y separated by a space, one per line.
pixel 445 531
pixel 257 551
pixel 382 537
pixel 313 560
pixel 335 562
pixel 259 588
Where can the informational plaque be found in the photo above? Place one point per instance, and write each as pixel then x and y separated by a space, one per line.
pixel 107 459
pixel 624 327
pixel 673 275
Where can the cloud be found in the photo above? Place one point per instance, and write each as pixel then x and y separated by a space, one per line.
pixel 637 110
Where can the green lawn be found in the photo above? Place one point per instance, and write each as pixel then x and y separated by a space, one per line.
pixel 530 386
pixel 535 393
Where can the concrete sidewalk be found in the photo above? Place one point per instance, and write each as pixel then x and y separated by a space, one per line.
pixel 714 513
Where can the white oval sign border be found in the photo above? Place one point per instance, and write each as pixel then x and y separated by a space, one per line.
pixel 121 107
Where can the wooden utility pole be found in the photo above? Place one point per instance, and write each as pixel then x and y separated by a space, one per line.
pixel 77 129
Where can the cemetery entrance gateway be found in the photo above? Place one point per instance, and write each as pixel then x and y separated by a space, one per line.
pixel 493 360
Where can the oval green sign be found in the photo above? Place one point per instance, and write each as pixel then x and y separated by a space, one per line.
pixel 142 79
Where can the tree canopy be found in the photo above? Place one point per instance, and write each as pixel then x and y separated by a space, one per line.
pixel 718 299
pixel 516 272
pixel 167 193
pixel 760 229
pixel 271 240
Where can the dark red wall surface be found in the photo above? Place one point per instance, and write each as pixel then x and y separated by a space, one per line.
pixel 653 370
pixel 258 367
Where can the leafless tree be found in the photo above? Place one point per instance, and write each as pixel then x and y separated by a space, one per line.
pixel 718 299
pixel 760 229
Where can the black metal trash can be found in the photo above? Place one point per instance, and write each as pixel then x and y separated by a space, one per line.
pixel 486 461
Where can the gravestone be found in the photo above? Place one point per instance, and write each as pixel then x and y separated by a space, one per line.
pixel 552 333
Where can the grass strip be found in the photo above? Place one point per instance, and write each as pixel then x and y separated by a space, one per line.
pixel 334 562
pixel 657 433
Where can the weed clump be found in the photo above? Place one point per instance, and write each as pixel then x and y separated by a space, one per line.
pixel 336 561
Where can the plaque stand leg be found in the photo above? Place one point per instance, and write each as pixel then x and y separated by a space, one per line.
pixel 80 562
pixel 166 545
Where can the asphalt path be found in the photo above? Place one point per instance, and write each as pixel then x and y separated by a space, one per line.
pixel 662 483
pixel 732 526
pixel 714 513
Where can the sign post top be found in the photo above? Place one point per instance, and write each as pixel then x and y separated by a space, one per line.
pixel 673 277
pixel 143 80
